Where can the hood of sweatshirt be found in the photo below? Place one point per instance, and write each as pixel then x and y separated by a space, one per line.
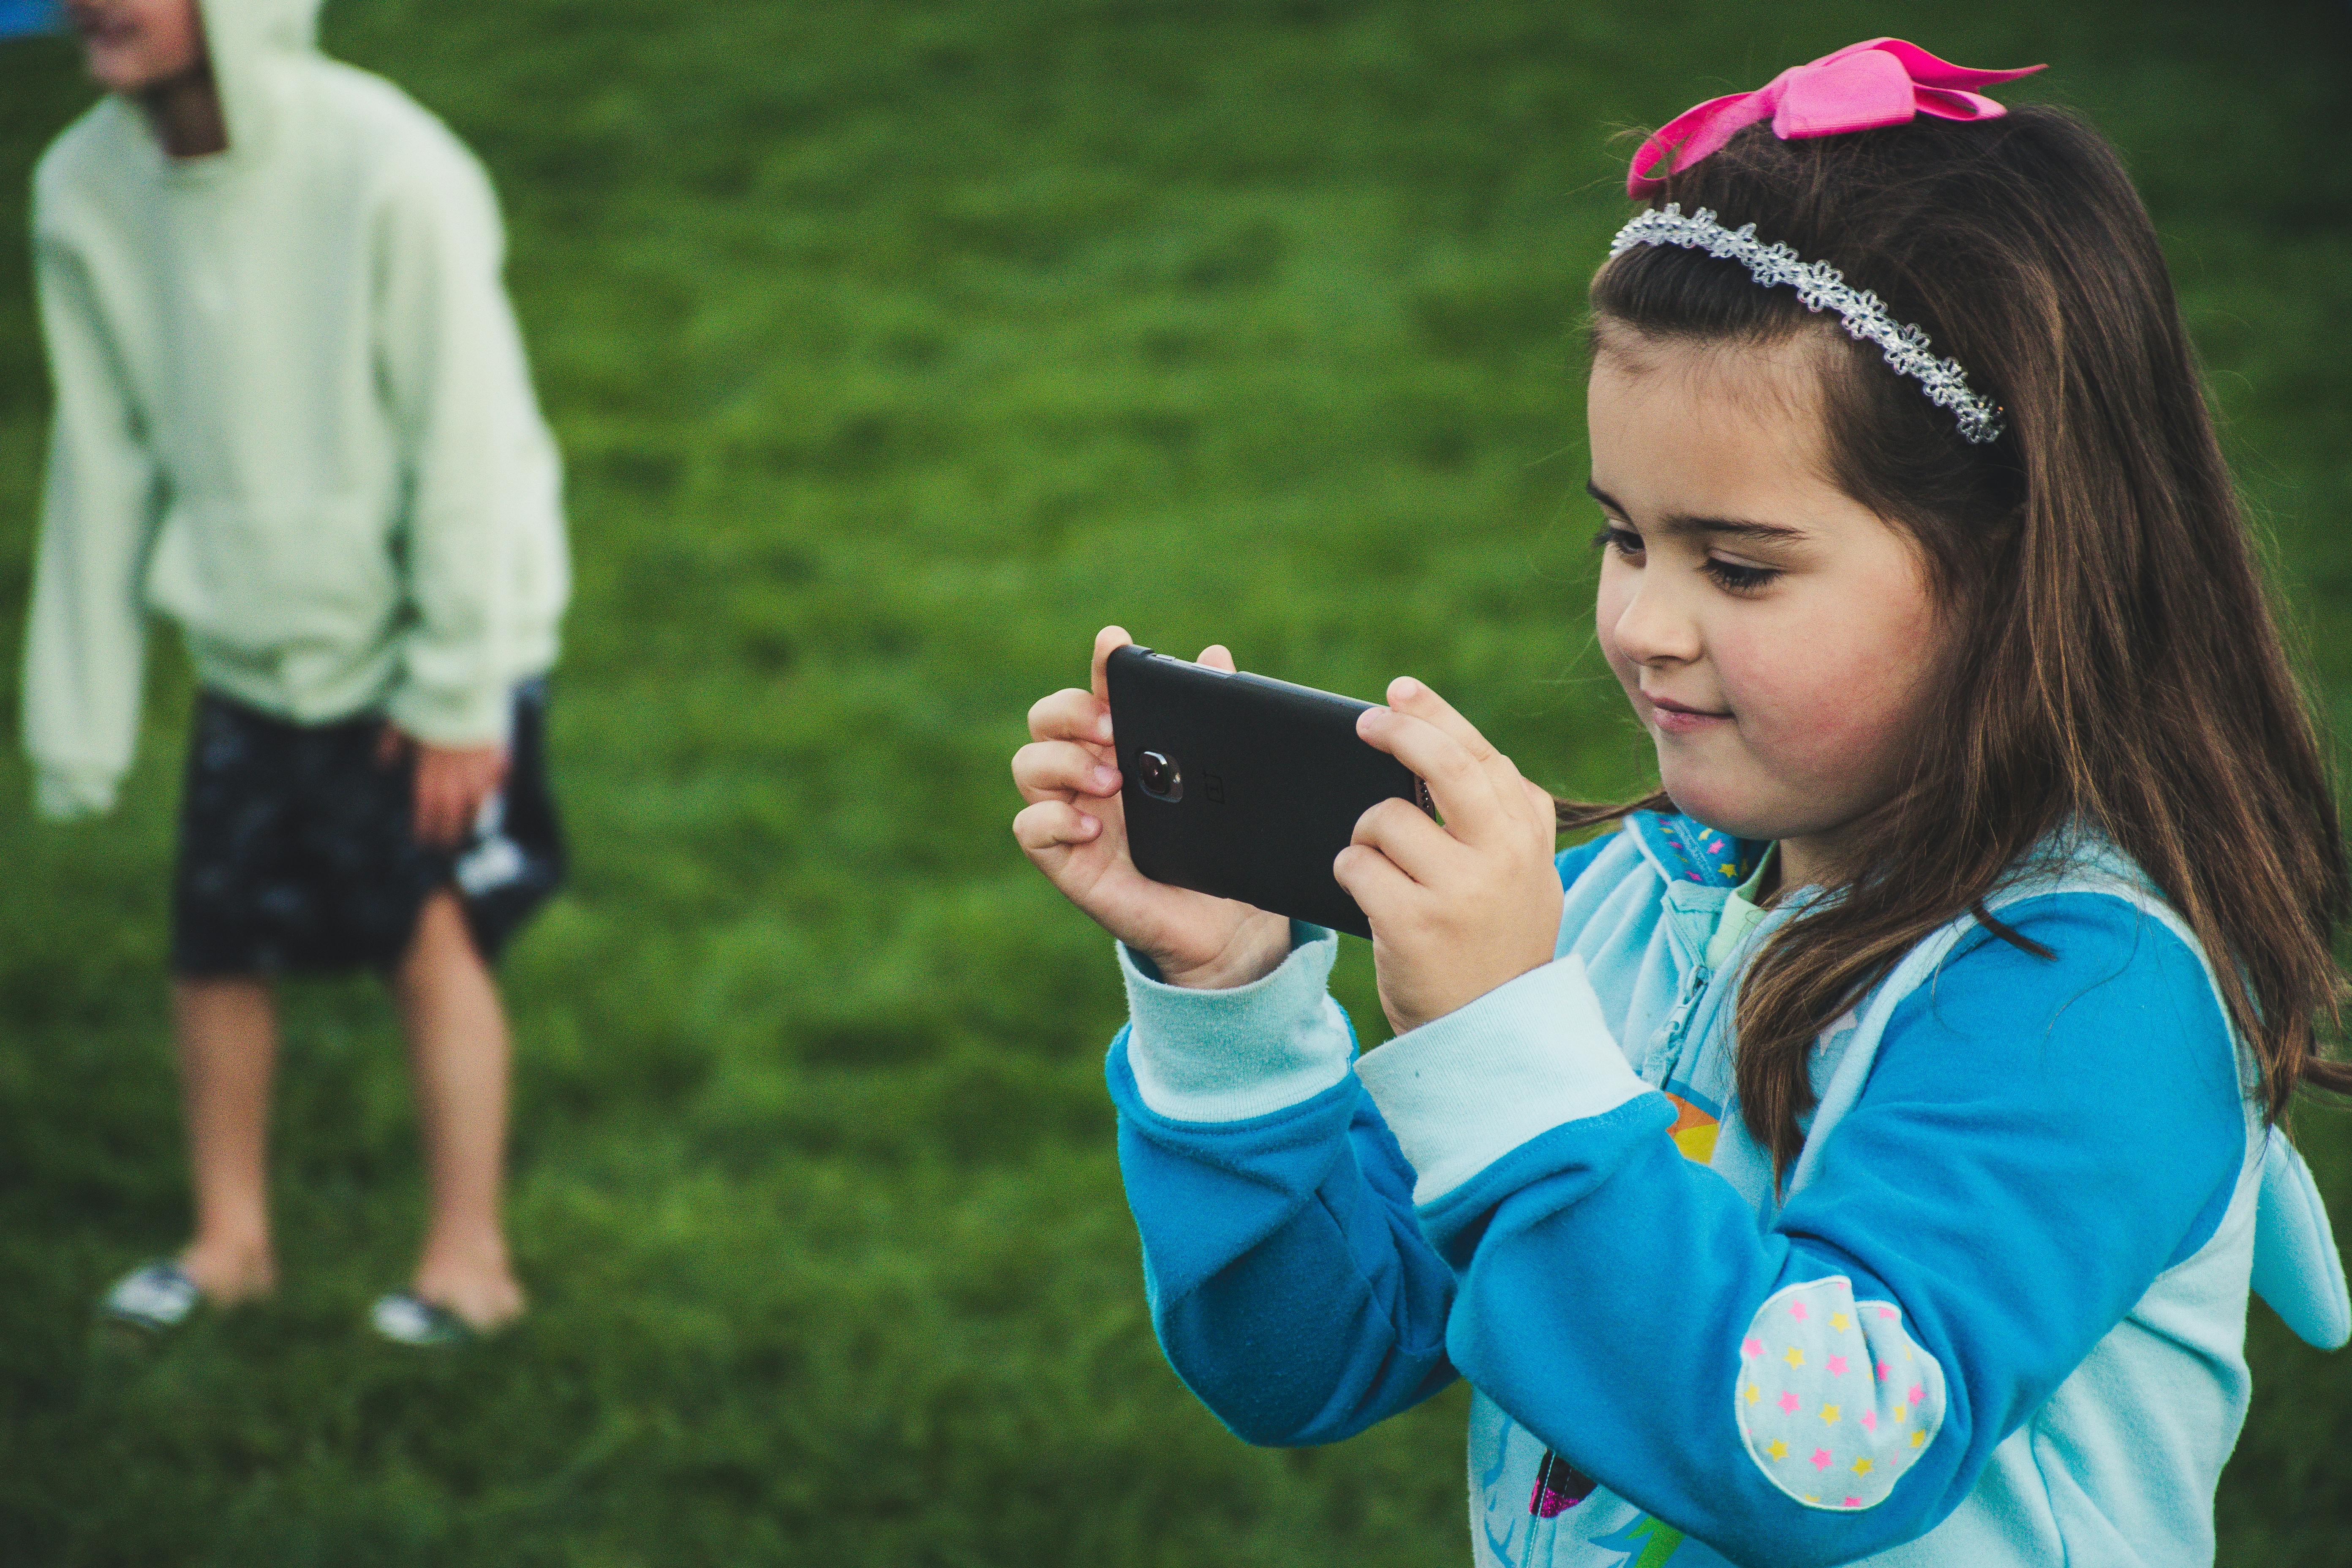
pixel 251 42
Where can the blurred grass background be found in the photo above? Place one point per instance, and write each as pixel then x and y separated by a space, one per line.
pixel 895 347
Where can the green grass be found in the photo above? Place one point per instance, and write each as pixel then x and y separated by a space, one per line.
pixel 895 347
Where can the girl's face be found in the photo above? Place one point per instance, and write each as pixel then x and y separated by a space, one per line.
pixel 1774 634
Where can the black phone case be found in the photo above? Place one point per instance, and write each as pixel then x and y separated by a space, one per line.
pixel 1270 779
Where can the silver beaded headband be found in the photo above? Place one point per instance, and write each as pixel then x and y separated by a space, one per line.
pixel 1821 286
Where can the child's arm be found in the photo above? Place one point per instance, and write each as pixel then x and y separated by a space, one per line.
pixel 86 641
pixel 2037 1141
pixel 1287 1281
pixel 476 451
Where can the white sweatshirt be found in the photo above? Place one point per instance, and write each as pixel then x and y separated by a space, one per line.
pixel 292 414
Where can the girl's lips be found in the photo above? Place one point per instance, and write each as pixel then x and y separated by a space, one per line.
pixel 1677 719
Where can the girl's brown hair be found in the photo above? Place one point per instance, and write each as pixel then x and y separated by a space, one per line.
pixel 2114 659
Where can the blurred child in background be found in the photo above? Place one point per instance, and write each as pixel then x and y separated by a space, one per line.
pixel 293 414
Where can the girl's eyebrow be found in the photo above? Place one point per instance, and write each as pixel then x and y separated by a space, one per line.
pixel 1676 522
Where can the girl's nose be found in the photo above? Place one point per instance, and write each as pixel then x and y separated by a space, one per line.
pixel 1655 629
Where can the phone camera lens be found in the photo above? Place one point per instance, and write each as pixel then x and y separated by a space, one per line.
pixel 1157 775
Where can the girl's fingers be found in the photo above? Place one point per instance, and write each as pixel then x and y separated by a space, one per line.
pixel 1217 656
pixel 1060 770
pixel 1053 824
pixel 1543 814
pixel 1462 788
pixel 1070 714
pixel 1407 695
pixel 1373 879
pixel 1107 641
pixel 1403 834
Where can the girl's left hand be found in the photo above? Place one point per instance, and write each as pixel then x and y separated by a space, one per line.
pixel 1461 909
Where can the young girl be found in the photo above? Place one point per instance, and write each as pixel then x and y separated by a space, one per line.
pixel 1871 1154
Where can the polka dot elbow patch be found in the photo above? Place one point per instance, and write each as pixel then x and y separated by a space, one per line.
pixel 1834 1400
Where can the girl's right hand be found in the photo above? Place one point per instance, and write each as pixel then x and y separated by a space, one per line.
pixel 1075 830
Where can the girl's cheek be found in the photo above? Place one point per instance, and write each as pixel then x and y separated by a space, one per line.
pixel 1756 666
pixel 1836 721
pixel 1800 697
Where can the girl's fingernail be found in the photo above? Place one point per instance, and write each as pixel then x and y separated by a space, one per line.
pixel 1102 727
pixel 1403 687
pixel 1105 778
pixel 1088 826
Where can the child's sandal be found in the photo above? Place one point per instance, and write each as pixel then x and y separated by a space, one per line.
pixel 409 1319
pixel 155 1297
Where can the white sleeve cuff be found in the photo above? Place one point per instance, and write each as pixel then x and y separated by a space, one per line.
pixel 457 720
pixel 64 793
pixel 1462 1091
pixel 1227 1056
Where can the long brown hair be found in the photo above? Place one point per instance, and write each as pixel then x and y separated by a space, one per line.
pixel 2113 657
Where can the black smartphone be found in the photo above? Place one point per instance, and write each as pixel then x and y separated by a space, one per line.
pixel 1246 787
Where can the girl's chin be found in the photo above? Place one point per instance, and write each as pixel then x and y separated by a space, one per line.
pixel 1705 796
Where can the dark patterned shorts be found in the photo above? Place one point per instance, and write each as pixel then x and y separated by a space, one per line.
pixel 298 851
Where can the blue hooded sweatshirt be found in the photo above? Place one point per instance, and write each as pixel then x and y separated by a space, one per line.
pixel 1995 1315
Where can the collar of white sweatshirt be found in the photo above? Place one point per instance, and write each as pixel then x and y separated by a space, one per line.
pixel 293 414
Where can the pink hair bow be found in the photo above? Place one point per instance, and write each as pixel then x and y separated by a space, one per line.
pixel 1884 82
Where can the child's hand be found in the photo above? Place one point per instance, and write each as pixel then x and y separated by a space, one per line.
pixel 1075 830
pixel 1458 910
pixel 452 782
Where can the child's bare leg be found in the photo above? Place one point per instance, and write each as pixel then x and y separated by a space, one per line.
pixel 457 1056
pixel 225 1030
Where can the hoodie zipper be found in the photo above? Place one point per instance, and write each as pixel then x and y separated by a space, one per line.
pixel 1679 1019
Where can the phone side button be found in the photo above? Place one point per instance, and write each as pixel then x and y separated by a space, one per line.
pixel 1213 788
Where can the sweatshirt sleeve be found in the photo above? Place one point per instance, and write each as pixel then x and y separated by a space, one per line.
pixel 85 643
pixel 1290 1281
pixel 455 380
pixel 1832 1384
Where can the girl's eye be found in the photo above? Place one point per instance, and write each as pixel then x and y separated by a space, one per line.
pixel 1734 578
pixel 1623 540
